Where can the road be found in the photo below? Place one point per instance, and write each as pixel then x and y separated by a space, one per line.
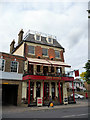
pixel 76 112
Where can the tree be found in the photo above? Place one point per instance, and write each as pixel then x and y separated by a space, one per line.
pixel 87 75
pixel 82 75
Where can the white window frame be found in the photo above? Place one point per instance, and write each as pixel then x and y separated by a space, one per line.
pixel 17 66
pixel 51 39
pixel 47 52
pixel 4 64
pixel 36 37
pixel 59 54
pixel 34 50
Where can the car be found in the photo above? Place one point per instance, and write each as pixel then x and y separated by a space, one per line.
pixel 77 96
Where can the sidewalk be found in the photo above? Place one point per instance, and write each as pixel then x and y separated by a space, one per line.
pixel 10 109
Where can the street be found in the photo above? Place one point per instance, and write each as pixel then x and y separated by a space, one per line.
pixel 79 110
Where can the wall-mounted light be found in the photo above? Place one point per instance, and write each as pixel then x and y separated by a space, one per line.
pixel 38 57
pixel 51 58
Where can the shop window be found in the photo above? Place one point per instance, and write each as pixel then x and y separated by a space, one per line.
pixel 14 66
pixel 57 54
pixel 2 64
pixel 31 49
pixel 52 69
pixel 44 52
pixel 38 68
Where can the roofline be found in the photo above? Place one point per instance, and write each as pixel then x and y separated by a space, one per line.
pixel 12 54
pixel 35 43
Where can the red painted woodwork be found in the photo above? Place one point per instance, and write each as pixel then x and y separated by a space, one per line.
pixel 43 92
pixel 73 92
pixel 38 77
pixel 59 92
pixel 28 92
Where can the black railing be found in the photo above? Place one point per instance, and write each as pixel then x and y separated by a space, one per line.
pixel 47 74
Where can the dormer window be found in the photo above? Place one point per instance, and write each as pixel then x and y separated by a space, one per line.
pixel 50 40
pixel 38 37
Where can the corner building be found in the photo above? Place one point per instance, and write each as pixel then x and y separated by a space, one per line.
pixel 44 68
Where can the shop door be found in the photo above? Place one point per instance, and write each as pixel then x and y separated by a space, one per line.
pixel 53 90
pixel 38 89
pixel 46 90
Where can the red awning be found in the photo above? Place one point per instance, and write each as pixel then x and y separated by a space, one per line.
pixel 47 62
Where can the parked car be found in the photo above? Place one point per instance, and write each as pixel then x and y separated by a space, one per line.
pixel 77 96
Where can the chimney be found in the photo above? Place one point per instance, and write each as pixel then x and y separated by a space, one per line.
pixel 20 36
pixel 12 46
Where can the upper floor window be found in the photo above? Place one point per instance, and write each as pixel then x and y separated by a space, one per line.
pixel 14 66
pixel 31 49
pixel 2 64
pixel 44 52
pixel 50 40
pixel 38 37
pixel 57 54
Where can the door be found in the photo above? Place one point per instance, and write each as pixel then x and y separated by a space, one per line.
pixel 38 89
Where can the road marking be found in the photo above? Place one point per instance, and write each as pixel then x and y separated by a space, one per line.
pixel 75 115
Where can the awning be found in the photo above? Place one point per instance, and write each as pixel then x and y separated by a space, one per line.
pixel 47 62
pixel 59 63
pixel 38 61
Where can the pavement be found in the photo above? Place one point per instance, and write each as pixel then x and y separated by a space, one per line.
pixel 12 109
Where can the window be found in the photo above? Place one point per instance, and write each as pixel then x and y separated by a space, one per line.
pixel 31 49
pixel 2 64
pixel 52 69
pixel 50 40
pixel 44 52
pixel 38 68
pixel 38 37
pixel 14 66
pixel 57 54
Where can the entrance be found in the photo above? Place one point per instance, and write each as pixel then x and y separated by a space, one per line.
pixel 46 90
pixel 9 94
pixel 53 90
pixel 38 89
pixel 61 88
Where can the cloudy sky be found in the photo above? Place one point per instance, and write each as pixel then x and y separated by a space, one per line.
pixel 66 20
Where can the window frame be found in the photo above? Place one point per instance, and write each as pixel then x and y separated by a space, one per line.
pixel 47 52
pixel 4 64
pixel 17 66
pixel 59 54
pixel 34 50
pixel 49 37
pixel 36 37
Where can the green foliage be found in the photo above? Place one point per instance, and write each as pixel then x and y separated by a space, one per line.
pixel 87 75
pixel 82 75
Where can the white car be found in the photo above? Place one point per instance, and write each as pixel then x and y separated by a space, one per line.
pixel 77 96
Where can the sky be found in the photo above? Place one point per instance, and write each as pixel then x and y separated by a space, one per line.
pixel 67 20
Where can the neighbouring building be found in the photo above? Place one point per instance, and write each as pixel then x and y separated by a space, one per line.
pixel 44 67
pixel 11 72
pixel 78 85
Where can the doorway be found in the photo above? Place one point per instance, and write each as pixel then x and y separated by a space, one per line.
pixel 38 89
pixel 9 94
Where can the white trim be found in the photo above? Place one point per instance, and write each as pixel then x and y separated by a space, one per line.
pixel 48 39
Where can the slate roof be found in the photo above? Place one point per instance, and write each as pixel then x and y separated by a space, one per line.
pixel 30 38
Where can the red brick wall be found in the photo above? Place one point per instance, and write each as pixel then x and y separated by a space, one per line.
pixel 51 53
pixel 62 56
pixel 8 58
pixel 38 51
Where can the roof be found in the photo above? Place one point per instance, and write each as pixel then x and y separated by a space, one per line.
pixel 30 38
pixel 47 62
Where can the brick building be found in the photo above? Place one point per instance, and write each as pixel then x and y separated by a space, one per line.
pixel 44 68
pixel 11 72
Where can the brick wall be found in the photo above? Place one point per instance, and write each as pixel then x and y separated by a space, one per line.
pixel 38 52
pixel 8 58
